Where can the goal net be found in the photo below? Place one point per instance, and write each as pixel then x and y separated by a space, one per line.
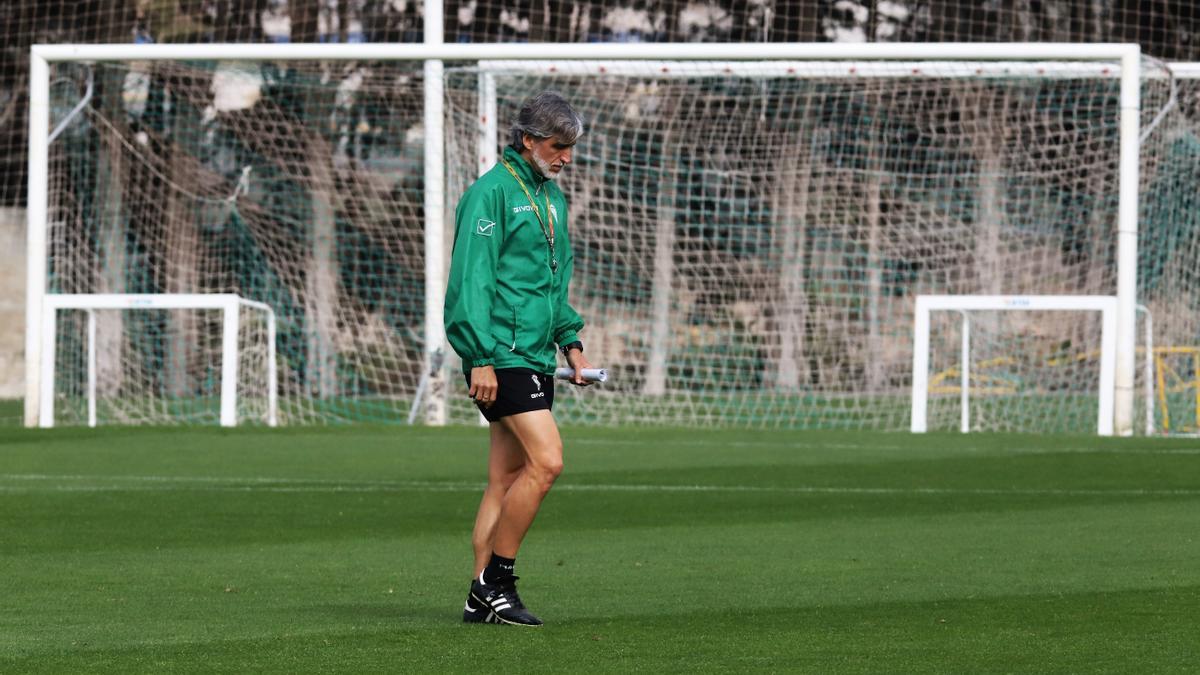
pixel 749 236
pixel 1168 276
pixel 295 184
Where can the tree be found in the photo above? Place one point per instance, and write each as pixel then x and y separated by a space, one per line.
pixel 321 277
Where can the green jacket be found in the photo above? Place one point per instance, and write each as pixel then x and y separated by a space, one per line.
pixel 505 306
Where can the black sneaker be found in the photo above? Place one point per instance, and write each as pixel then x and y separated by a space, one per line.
pixel 477 612
pixel 501 596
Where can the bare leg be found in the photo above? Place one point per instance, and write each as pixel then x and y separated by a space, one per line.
pixel 505 460
pixel 537 436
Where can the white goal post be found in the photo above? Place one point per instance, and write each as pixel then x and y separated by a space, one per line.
pixel 926 304
pixel 433 53
pixel 229 305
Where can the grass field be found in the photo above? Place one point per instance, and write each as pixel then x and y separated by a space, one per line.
pixel 346 550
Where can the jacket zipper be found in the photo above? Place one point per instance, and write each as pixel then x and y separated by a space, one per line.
pixel 550 307
pixel 513 348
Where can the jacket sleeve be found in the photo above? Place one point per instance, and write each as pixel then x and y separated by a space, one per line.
pixel 567 322
pixel 471 289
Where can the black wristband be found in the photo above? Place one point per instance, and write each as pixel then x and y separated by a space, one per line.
pixel 566 349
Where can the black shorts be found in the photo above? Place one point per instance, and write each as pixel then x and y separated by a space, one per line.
pixel 518 390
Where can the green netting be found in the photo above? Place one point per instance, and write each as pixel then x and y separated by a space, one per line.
pixel 794 219
pixel 278 182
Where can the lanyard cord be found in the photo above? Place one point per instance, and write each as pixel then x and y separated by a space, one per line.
pixel 548 233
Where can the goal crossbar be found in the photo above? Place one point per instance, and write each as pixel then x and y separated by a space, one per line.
pixel 228 303
pixel 812 68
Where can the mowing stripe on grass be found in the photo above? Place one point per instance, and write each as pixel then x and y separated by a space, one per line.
pixel 1014 450
pixel 264 484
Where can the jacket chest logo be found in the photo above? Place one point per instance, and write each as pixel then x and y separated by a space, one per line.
pixel 526 208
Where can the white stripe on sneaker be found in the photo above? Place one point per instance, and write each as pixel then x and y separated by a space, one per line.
pixel 503 607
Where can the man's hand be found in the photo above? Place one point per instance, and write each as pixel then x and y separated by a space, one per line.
pixel 578 361
pixel 483 386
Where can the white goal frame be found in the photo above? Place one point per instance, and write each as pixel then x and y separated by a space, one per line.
pixel 489 131
pixel 228 303
pixel 1107 305
pixel 434 52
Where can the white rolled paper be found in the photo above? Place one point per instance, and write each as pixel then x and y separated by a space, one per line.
pixel 589 374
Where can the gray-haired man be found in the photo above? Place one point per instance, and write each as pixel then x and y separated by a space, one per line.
pixel 506 310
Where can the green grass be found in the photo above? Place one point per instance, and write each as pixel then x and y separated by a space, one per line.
pixel 12 412
pixel 346 550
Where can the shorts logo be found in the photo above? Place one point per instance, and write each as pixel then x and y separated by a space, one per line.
pixel 484 228
pixel 538 382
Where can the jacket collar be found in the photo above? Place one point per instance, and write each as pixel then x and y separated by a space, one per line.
pixel 524 169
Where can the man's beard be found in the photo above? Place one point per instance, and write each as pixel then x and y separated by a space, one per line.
pixel 543 166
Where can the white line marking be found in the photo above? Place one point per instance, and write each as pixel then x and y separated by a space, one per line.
pixel 965 449
pixel 31 483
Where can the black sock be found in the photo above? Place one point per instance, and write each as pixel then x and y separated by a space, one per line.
pixel 498 568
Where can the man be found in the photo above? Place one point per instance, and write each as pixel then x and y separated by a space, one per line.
pixel 506 310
